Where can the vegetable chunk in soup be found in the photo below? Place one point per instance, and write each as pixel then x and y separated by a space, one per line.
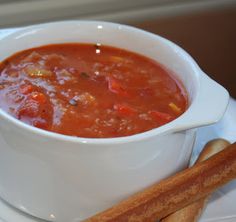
pixel 92 91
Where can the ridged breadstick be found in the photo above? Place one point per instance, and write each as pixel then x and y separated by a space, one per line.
pixel 192 212
pixel 175 192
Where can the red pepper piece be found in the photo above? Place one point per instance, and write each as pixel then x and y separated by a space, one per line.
pixel 124 109
pixel 161 117
pixel 115 87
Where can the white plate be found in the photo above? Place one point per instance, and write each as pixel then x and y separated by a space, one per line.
pixel 222 205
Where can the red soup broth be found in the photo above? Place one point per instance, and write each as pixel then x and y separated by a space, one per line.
pixel 91 91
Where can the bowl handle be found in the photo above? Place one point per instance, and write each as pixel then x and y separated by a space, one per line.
pixel 208 107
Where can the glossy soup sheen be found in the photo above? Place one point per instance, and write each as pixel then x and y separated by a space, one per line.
pixel 87 90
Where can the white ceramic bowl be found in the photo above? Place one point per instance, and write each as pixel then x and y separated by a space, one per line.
pixel 62 178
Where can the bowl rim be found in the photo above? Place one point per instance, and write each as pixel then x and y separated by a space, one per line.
pixel 164 129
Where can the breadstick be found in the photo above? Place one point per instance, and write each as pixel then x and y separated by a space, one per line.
pixel 192 212
pixel 175 192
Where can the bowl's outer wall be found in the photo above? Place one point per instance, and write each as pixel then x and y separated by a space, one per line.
pixel 43 176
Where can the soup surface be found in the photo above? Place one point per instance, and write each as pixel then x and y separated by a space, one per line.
pixel 92 91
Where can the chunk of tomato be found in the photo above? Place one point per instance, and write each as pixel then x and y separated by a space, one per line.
pixel 124 110
pixel 41 123
pixel 26 89
pixel 161 117
pixel 115 87
pixel 38 97
pixel 29 108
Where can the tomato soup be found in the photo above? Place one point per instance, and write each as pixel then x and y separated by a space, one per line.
pixel 91 91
